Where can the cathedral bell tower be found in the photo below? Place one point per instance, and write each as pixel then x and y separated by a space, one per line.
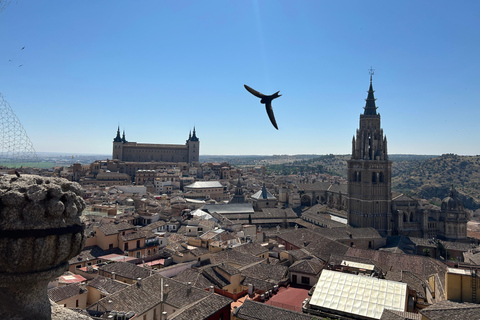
pixel 369 173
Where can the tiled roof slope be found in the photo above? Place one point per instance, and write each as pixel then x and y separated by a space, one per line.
pixel 115 227
pixel 106 285
pixel 252 310
pixel 143 297
pixel 306 266
pixel 420 265
pixel 265 271
pixel 126 270
pixel 398 315
pixel 195 277
pixel 64 292
pixel 233 257
pixel 251 248
pixel 449 310
pixel 201 309
pixel 92 253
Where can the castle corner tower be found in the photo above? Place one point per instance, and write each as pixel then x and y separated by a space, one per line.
pixel 369 173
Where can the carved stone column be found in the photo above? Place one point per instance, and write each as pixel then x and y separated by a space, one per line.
pixel 40 230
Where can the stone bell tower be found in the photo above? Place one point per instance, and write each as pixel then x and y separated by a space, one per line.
pixel 369 173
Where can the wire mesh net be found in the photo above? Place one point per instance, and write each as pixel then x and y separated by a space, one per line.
pixel 15 146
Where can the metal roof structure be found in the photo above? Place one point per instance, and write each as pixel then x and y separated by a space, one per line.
pixel 204 184
pixel 358 296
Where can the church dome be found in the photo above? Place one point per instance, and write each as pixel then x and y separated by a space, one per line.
pixel 452 202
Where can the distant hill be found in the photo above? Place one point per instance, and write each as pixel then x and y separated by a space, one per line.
pixel 432 179
pixel 425 176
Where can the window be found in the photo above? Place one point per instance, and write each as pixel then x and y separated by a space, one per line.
pixel 305 280
pixel 137 254
pixel 125 247
pixel 76 303
pixel 110 246
pixel 138 243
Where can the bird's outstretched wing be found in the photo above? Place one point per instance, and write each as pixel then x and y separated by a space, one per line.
pixel 268 106
pixel 254 92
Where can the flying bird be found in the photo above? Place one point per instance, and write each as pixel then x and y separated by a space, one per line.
pixel 267 101
pixel 23 48
pixel 20 65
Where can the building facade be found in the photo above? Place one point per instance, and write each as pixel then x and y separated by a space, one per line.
pixel 145 152
pixel 369 173
pixel 370 202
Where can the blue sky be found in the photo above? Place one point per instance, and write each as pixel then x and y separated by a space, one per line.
pixel 158 68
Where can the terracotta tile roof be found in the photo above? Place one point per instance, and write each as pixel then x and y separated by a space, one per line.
pixel 93 253
pixel 217 279
pixel 64 292
pixel 201 309
pixel 398 315
pixel 252 310
pixel 264 271
pixel 347 232
pixel 140 298
pixel 413 281
pixel 299 254
pixel 251 248
pixel 137 235
pixel 258 284
pixel 126 270
pixel 115 227
pixel 106 285
pixel 195 277
pixel 307 266
pixel 154 225
pixel 234 257
pixel 420 265
pixel 324 248
pixel 449 310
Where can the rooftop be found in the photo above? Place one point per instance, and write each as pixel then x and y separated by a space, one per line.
pixel 359 295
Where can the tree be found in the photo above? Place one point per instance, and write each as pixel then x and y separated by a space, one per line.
pixel 426 252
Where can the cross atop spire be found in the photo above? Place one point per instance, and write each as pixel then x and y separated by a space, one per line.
pixel 370 108
pixel 371 71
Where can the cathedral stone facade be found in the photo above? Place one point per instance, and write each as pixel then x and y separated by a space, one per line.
pixel 369 173
pixel 145 152
pixel 370 202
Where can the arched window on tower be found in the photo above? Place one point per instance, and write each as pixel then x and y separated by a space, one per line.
pixel 359 176
pixel 354 176
pixel 380 177
pixel 411 216
pixel 404 217
pixel 374 177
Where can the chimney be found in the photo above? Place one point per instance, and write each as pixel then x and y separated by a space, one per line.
pixel 139 282
pixel 212 289
pixel 166 289
pixel 189 287
pixel 164 315
pixel 113 275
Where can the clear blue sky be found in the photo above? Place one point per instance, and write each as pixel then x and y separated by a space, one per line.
pixel 158 68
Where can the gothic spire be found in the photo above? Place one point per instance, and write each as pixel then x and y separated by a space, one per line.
pixel 194 136
pixel 123 137
pixel 117 138
pixel 370 108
